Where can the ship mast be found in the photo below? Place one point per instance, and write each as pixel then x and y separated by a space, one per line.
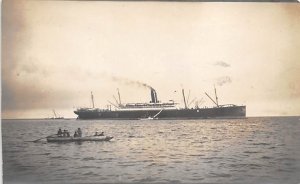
pixel 188 98
pixel 119 96
pixel 92 97
pixel 184 99
pixel 216 96
pixel 54 114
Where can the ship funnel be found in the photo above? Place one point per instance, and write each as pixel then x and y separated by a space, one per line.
pixel 153 96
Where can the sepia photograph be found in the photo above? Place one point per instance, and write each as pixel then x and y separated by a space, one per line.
pixel 150 92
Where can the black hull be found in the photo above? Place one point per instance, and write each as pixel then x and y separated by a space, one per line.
pixel 200 113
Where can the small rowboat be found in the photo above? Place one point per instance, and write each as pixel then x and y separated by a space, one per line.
pixel 78 139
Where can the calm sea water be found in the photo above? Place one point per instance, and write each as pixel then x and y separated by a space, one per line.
pixel 252 150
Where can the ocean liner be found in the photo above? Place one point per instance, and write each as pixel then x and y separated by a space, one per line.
pixel 158 110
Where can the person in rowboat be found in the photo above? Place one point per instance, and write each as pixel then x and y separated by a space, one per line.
pixel 68 133
pixel 59 132
pixel 79 132
pixel 65 133
pixel 76 133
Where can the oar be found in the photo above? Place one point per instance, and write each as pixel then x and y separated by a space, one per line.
pixel 41 138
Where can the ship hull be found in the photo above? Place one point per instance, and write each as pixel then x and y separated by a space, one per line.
pixel 198 113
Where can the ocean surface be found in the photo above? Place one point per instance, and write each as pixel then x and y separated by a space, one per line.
pixel 253 150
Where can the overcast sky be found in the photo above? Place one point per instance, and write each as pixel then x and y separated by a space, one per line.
pixel 54 53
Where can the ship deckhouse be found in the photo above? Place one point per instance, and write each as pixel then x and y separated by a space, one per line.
pixel 154 104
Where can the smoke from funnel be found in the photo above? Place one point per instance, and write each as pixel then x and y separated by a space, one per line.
pixel 130 82
pixel 223 80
